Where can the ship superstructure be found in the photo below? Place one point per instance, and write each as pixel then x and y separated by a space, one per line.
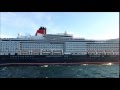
pixel 43 44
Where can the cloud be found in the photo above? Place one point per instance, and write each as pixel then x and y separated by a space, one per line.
pixel 11 13
pixel 26 22
pixel 103 36
pixel 6 36
pixel 49 18
pixel 38 15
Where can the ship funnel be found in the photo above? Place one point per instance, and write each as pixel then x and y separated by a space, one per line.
pixel 41 31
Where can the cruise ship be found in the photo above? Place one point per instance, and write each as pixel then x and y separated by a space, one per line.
pixel 43 48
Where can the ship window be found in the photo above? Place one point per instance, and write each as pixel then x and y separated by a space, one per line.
pixel 16 54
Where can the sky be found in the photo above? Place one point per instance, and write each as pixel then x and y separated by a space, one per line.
pixel 88 25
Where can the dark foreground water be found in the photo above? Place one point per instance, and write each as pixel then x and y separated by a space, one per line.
pixel 61 71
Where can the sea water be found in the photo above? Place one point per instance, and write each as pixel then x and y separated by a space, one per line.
pixel 61 71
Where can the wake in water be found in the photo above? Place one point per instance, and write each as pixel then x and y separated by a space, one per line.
pixel 109 64
pixel 44 66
